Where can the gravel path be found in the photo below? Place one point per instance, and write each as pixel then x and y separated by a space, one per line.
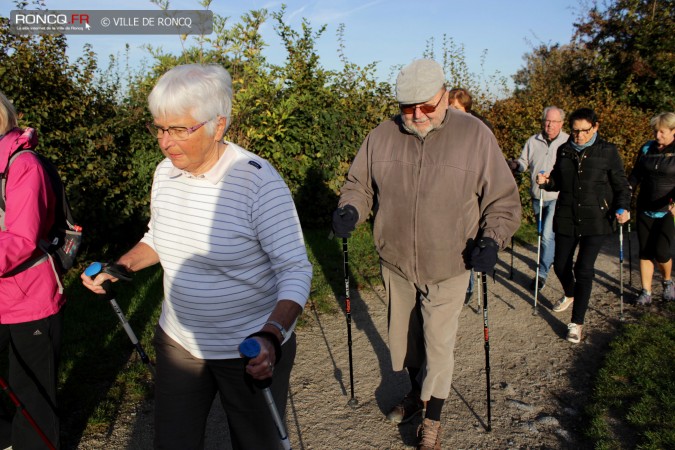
pixel 539 382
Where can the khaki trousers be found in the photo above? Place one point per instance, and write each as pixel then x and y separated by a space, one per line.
pixel 423 322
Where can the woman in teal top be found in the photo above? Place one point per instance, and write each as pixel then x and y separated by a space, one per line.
pixel 654 171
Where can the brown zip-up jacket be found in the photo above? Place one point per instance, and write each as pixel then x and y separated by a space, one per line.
pixel 433 198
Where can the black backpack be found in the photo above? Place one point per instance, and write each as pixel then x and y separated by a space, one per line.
pixel 65 236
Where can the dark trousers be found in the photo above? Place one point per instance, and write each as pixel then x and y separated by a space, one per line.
pixel 655 237
pixel 34 351
pixel 577 278
pixel 186 387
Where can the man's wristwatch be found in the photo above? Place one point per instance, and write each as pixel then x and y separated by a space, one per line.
pixel 279 327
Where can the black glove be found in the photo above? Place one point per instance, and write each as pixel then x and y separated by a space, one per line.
pixel 484 255
pixel 118 271
pixel 513 165
pixel 344 221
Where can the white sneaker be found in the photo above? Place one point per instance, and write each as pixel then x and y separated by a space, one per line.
pixel 574 333
pixel 563 304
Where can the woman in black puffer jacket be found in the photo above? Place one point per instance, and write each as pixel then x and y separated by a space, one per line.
pixel 654 172
pixel 594 192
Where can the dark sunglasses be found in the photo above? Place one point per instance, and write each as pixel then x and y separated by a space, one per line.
pixel 426 109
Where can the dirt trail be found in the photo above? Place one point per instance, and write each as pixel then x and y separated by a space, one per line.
pixel 539 382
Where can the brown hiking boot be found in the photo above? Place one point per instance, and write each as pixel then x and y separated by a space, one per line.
pixel 429 434
pixel 410 406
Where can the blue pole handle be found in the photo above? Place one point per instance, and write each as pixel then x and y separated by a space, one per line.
pixel 250 348
pixel 620 211
pixel 93 269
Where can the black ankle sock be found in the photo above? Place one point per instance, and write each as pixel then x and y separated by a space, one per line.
pixel 434 408
pixel 412 373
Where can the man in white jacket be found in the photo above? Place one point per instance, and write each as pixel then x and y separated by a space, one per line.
pixel 539 154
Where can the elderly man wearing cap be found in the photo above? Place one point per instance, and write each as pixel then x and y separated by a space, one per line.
pixel 444 201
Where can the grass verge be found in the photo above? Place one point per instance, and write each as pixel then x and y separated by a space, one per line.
pixel 327 258
pixel 99 367
pixel 633 404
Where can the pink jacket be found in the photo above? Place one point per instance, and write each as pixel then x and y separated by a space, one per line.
pixel 34 293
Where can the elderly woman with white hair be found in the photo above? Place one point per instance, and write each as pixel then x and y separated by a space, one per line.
pixel 225 230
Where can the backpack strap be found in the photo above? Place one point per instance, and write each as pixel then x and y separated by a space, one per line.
pixel 645 148
pixel 27 265
pixel 3 196
pixel 3 186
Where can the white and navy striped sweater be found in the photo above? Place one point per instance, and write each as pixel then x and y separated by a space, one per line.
pixel 231 246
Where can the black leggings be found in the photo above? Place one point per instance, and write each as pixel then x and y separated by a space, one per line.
pixel 577 278
pixel 34 352
pixel 655 237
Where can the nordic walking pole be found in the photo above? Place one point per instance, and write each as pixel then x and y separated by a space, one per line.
pixel 630 259
pixel 123 274
pixel 621 211
pixel 536 280
pixel 348 310
pixel 486 333
pixel 480 294
pixel 250 348
pixel 19 406
pixel 512 250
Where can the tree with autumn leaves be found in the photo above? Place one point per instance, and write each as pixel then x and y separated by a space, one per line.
pixel 307 120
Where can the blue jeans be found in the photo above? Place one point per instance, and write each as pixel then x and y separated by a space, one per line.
pixel 547 235
pixel 471 282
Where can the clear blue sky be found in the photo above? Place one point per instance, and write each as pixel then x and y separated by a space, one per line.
pixel 389 32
